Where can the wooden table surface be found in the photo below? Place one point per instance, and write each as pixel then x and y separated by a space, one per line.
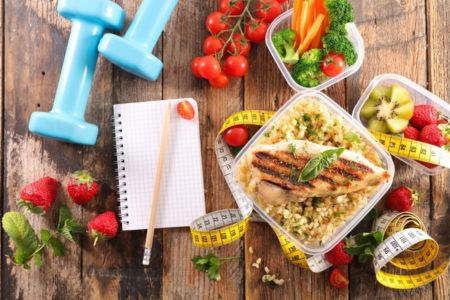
pixel 408 37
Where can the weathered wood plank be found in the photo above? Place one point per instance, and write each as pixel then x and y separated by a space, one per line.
pixel 438 16
pixel 395 38
pixel 3 173
pixel 182 42
pixel 114 269
pixel 35 42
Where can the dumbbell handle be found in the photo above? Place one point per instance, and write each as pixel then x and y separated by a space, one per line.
pixel 149 22
pixel 78 69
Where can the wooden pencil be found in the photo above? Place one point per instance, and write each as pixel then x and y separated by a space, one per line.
pixel 157 187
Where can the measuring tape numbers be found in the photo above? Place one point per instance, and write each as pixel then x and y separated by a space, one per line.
pixel 406 245
pixel 412 149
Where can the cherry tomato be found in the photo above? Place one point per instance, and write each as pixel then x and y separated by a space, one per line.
pixel 235 66
pixel 231 7
pixel 333 64
pixel 216 22
pixel 338 278
pixel 268 10
pixel 282 1
pixel 209 67
pixel 186 110
pixel 194 66
pixel 236 136
pixel 220 81
pixel 240 45
pixel 255 30
pixel 212 45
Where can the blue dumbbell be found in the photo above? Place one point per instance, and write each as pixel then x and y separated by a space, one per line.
pixel 133 52
pixel 90 19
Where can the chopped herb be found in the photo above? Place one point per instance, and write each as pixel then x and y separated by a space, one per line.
pixel 293 172
pixel 316 165
pixel 317 116
pixel 210 264
pixel 292 148
pixel 311 131
pixel 352 137
pixel 306 118
pixel 269 131
pixel 338 214
pixel 316 201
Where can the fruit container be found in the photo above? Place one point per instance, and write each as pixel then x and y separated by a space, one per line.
pixel 419 95
pixel 284 21
pixel 345 229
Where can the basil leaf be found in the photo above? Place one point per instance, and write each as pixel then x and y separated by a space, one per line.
pixel 316 165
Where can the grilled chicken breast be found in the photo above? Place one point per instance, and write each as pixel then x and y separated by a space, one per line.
pixel 275 170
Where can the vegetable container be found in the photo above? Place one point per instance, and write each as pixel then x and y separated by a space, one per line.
pixel 419 95
pixel 343 230
pixel 284 21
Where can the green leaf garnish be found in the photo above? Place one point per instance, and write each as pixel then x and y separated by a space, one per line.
pixel 210 264
pixel 316 165
pixel 20 231
pixel 29 207
pixel 50 240
pixel 292 148
pixel 67 225
pixel 363 245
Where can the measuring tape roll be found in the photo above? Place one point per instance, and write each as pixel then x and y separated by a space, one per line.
pixel 407 246
pixel 412 149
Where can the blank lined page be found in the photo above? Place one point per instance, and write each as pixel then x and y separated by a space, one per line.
pixel 138 134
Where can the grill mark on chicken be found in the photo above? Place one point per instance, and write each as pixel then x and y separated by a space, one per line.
pixel 278 167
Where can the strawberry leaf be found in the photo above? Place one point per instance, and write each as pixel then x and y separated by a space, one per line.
pixel 26 242
pixel 50 240
pixel 67 225
pixel 29 207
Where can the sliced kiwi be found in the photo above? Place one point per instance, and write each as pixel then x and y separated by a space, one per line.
pixel 388 109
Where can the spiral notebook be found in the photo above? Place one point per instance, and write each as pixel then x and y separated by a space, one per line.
pixel 138 128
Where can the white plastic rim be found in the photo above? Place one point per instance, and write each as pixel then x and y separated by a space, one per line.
pixel 284 21
pixel 345 229
pixel 419 95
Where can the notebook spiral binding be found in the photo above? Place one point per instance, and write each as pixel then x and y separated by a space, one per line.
pixel 120 168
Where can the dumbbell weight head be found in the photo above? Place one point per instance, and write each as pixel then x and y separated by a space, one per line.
pixel 90 19
pixel 133 51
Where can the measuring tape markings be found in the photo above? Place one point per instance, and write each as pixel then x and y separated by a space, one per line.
pixel 409 248
pixel 413 149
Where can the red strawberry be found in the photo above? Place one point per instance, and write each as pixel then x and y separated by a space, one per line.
pixel 39 196
pixel 82 187
pixel 402 199
pixel 411 133
pixel 104 226
pixel 431 134
pixel 338 256
pixel 424 115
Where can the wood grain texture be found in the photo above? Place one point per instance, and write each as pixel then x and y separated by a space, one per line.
pixel 114 270
pixel 394 33
pixel 182 42
pixel 33 51
pixel 438 16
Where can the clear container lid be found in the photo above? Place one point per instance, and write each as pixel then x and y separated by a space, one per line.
pixel 419 95
pixel 284 21
pixel 343 230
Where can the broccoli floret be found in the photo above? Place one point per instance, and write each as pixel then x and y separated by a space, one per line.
pixel 283 41
pixel 337 42
pixel 341 13
pixel 306 71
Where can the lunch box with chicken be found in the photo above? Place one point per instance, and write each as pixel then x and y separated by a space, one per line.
pixel 312 172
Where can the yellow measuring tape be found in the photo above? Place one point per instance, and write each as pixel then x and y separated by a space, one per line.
pixel 407 246
pixel 412 149
pixel 226 226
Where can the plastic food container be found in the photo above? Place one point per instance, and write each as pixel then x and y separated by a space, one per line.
pixel 419 95
pixel 284 21
pixel 343 230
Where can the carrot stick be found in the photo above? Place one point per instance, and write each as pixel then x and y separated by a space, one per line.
pixel 294 15
pixel 303 20
pixel 311 33
pixel 317 39
pixel 321 9
pixel 310 15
